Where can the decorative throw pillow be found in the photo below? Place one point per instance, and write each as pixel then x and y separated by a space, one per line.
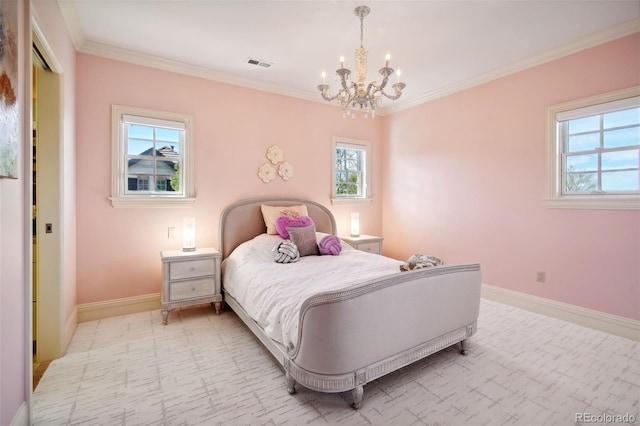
pixel 284 222
pixel 271 213
pixel 285 252
pixel 330 244
pixel 305 239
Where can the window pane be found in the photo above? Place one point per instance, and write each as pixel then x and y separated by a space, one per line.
pixel 582 163
pixel 341 177
pixel 585 142
pixel 169 135
pixel 622 137
pixel 580 182
pixel 626 117
pixel 353 165
pixel 138 147
pixel 586 124
pixel 140 132
pixel 137 166
pixel 620 160
pixel 353 177
pixel 620 181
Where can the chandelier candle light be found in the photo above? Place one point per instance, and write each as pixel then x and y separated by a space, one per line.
pixel 358 96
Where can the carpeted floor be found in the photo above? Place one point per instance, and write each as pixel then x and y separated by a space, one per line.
pixel 203 369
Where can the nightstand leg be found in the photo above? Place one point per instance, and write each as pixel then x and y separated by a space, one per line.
pixel 165 317
pixel 218 306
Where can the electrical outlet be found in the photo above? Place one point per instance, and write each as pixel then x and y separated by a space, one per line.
pixel 540 276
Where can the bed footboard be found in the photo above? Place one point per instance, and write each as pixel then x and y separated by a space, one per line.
pixel 351 337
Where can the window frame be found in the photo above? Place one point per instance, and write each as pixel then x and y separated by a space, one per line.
pixel 119 160
pixel 355 144
pixel 554 197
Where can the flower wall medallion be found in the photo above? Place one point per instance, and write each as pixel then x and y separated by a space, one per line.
pixel 285 171
pixel 267 173
pixel 275 154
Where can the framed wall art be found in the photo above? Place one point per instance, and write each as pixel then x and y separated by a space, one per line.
pixel 9 118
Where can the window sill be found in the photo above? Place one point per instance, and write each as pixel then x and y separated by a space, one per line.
pixel 335 201
pixel 152 202
pixel 594 202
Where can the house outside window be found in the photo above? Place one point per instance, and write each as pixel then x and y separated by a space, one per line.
pixel 593 152
pixel 152 158
pixel 350 170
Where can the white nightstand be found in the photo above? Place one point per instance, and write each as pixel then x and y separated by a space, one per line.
pixel 190 278
pixel 368 243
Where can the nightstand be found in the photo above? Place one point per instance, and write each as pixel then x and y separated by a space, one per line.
pixel 368 243
pixel 190 278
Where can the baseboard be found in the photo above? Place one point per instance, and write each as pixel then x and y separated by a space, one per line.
pixel 117 307
pixel 70 327
pixel 22 416
pixel 613 324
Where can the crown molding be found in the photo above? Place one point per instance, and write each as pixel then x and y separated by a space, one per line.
pixel 70 18
pixel 157 62
pixel 593 40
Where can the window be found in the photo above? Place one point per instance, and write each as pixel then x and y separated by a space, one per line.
pixel 152 158
pixel 350 170
pixel 593 152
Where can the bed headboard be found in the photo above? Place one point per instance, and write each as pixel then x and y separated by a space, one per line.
pixel 241 221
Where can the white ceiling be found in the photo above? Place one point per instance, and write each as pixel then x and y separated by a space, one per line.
pixel 440 46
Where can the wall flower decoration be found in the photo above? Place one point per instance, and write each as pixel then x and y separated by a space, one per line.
pixel 275 154
pixel 285 171
pixel 267 172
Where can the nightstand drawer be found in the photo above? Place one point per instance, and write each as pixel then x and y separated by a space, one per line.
pixel 370 247
pixel 190 289
pixel 191 269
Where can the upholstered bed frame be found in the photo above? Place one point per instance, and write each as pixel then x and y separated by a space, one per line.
pixel 350 337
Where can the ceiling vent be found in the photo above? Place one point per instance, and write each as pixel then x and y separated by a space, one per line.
pixel 259 63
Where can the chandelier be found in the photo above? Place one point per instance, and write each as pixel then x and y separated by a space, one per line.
pixel 354 96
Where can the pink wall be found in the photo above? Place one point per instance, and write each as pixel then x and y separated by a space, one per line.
pixel 118 249
pixel 464 180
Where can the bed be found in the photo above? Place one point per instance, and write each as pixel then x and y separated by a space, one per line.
pixel 351 332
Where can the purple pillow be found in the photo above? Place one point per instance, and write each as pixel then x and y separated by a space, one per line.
pixel 330 245
pixel 284 222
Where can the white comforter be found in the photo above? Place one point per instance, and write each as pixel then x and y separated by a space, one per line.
pixel 272 293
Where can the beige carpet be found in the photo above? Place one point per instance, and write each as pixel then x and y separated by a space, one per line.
pixel 203 369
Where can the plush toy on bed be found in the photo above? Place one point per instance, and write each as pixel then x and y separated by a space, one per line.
pixel 286 252
pixel 420 261
pixel 330 245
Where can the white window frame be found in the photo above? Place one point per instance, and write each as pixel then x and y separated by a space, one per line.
pixel 119 197
pixel 365 146
pixel 554 198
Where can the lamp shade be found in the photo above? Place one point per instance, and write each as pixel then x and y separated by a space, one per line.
pixel 355 224
pixel 189 234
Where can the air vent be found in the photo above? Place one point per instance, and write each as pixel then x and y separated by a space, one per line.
pixel 259 63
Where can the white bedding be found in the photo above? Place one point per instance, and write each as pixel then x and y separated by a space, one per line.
pixel 272 293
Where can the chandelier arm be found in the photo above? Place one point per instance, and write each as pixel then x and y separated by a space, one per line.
pixel 397 94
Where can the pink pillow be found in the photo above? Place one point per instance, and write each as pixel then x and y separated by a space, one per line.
pixel 284 222
pixel 330 245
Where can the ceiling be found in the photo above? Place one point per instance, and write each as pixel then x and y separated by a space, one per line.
pixel 440 46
